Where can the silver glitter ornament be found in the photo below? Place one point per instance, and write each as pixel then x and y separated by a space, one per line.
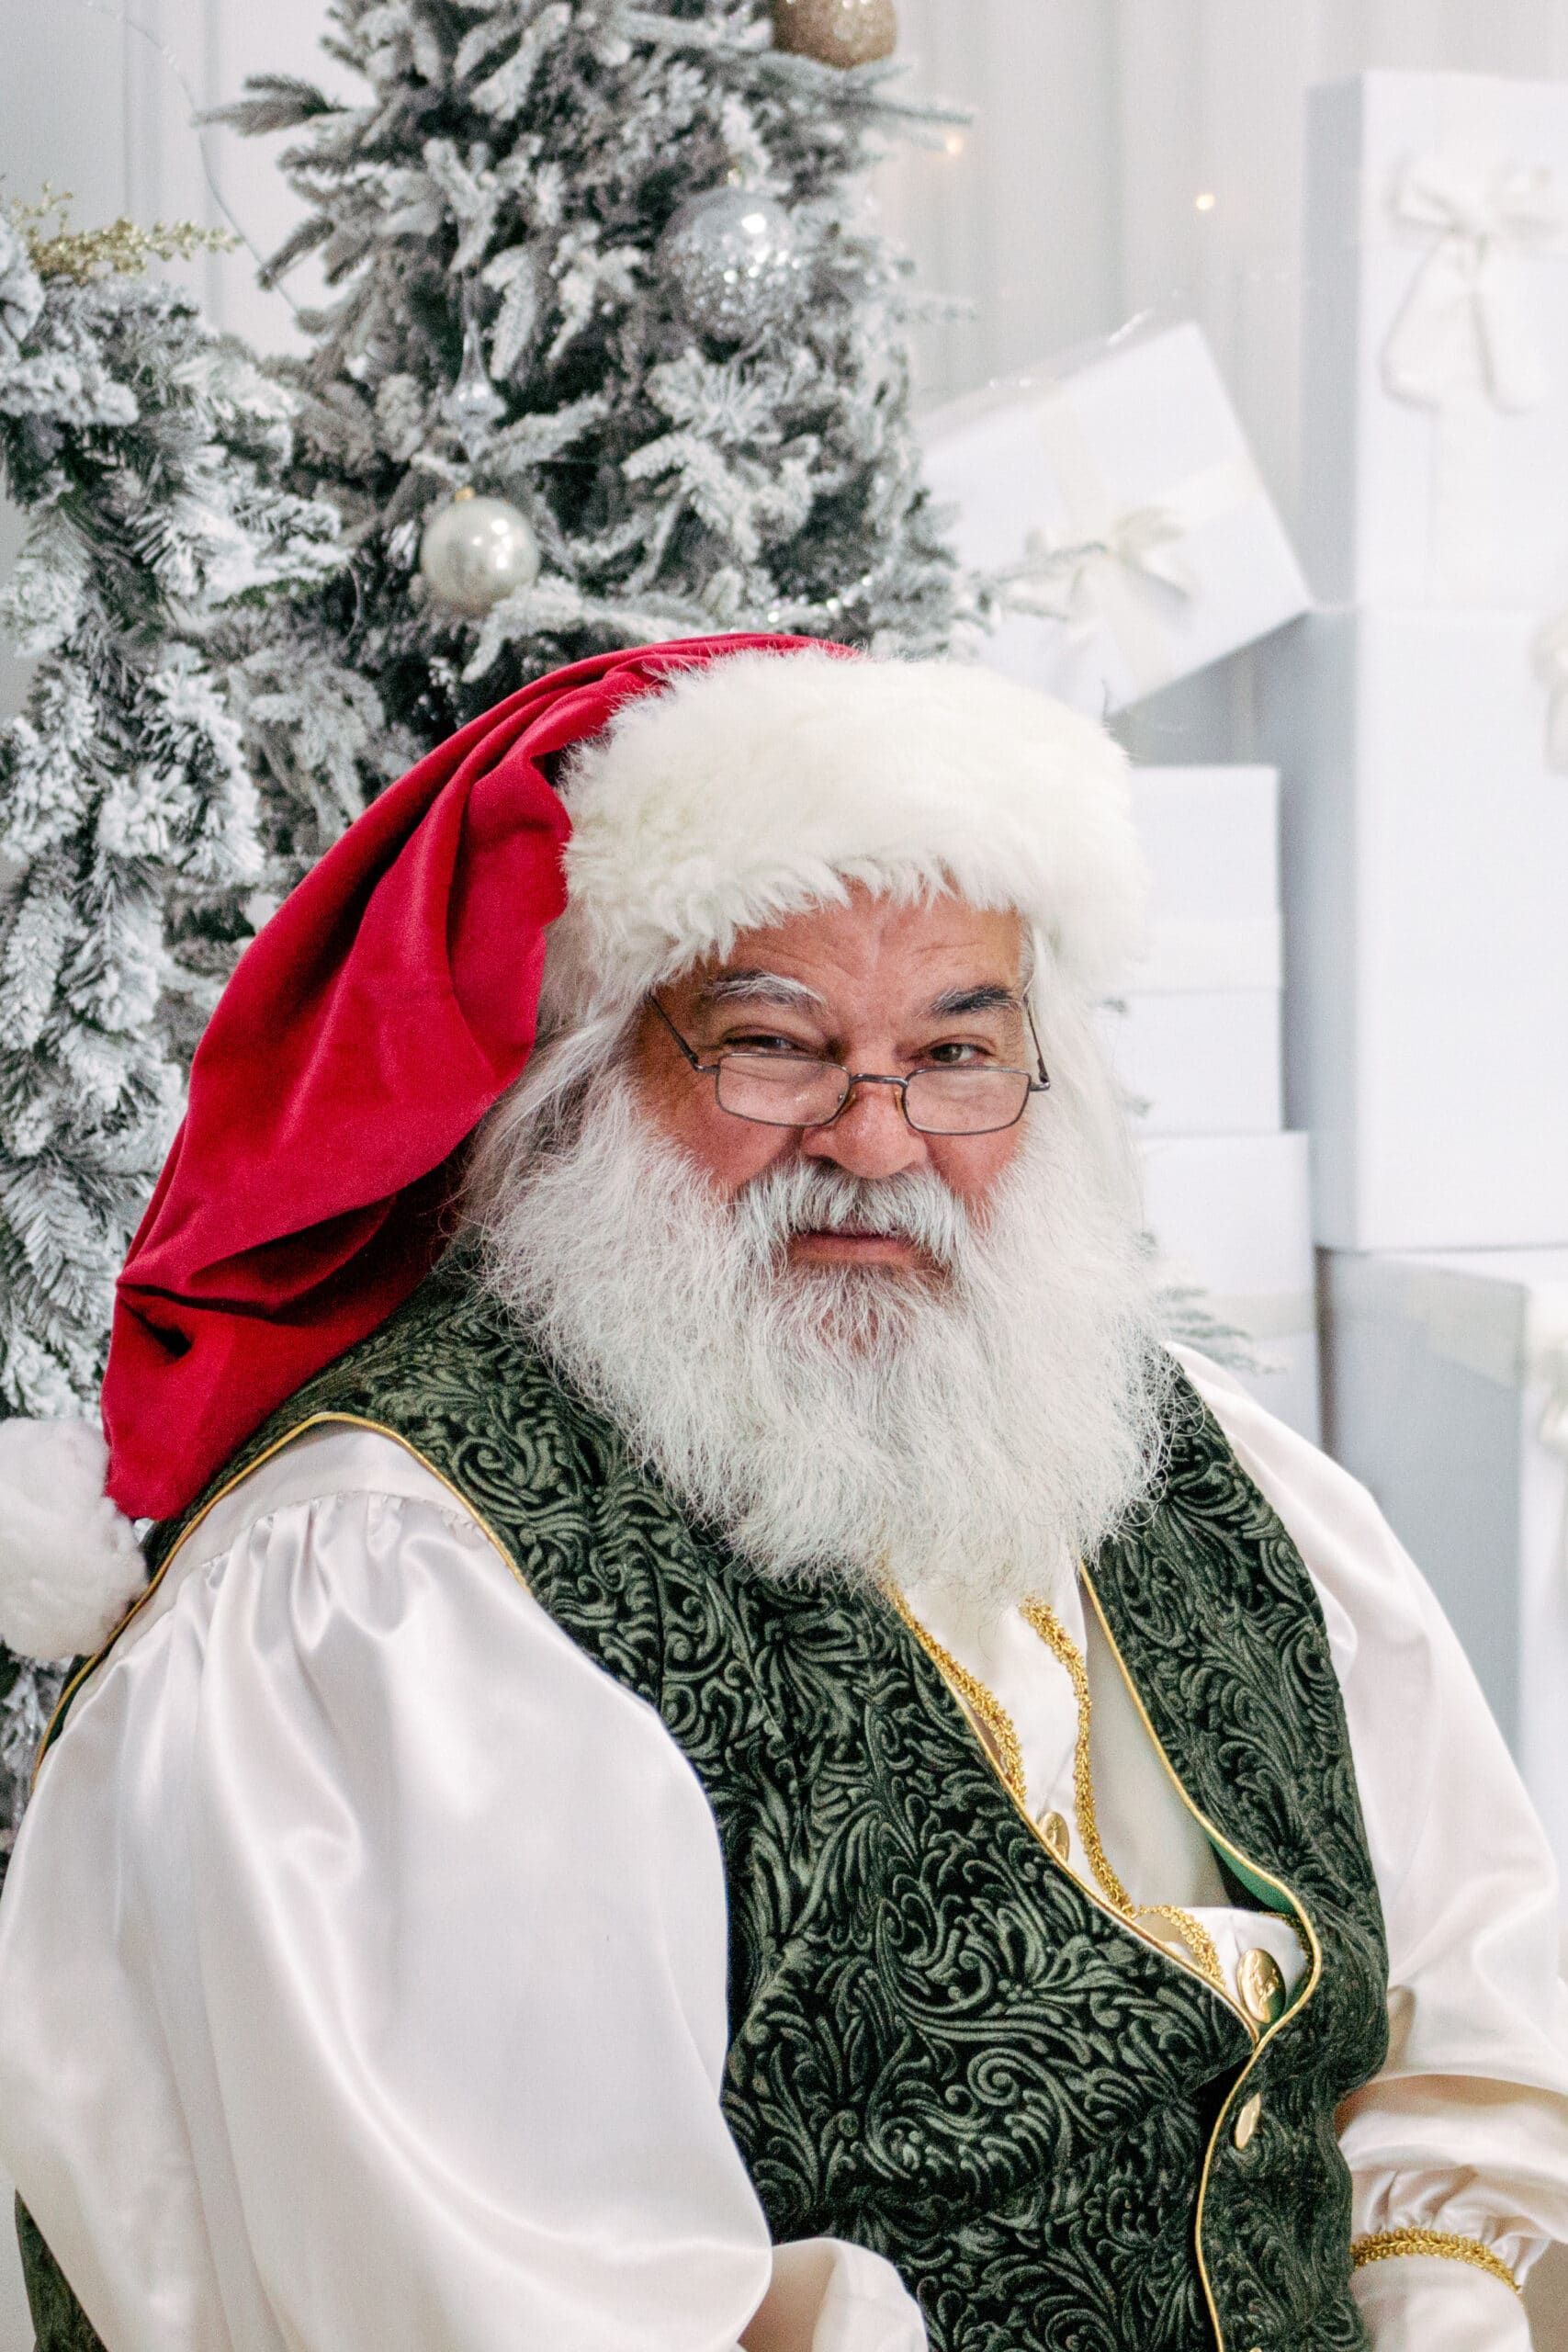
pixel 732 262
pixel 836 32
pixel 476 550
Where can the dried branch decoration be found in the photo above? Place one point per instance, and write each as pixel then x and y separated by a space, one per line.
pixel 123 249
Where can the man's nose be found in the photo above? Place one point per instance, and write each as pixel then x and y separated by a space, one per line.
pixel 871 1136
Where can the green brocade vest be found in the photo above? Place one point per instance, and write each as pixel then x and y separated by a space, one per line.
pixel 941 2046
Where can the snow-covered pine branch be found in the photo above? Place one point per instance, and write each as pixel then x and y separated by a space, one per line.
pixel 187 747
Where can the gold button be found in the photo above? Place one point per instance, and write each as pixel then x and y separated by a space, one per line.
pixel 1057 1835
pixel 1247 2121
pixel 1261 1986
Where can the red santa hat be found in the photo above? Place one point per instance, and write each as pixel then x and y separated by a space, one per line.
pixel 588 839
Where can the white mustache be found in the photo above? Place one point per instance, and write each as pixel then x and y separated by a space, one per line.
pixel 805 1196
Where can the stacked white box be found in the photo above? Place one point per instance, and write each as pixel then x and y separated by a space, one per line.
pixel 1421 728
pixel 1434 415
pixel 1422 732
pixel 1125 465
pixel 1196 1045
pixel 1195 1041
pixel 1448 1396
pixel 1426 863
pixel 1229 1213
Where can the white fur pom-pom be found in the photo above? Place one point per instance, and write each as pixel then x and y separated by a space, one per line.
pixel 70 1564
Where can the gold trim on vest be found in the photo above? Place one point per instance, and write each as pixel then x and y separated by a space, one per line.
pixel 1228 2111
pixel 1006 1758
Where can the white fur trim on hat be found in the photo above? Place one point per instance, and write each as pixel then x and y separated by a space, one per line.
pixel 770 782
pixel 70 1564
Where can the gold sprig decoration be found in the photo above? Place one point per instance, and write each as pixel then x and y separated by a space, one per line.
pixel 122 250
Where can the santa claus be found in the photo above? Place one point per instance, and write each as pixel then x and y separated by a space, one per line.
pixel 714 1744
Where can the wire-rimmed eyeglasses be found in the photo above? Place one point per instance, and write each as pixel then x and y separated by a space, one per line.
pixel 791 1090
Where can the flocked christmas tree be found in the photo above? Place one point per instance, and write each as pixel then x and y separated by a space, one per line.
pixel 616 351
pixel 183 751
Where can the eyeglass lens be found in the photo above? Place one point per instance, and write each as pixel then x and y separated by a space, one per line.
pixel 797 1090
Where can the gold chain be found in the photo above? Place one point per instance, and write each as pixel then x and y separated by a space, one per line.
pixel 1193 1933
pixel 1383 2244
pixel 987 1708
pixel 1002 1735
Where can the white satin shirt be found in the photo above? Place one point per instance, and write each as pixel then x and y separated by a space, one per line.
pixel 363 1959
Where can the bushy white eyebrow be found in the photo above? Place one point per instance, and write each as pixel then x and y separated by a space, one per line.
pixel 757 987
pixel 993 997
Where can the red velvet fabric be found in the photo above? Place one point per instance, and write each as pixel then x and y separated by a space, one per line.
pixel 366 1030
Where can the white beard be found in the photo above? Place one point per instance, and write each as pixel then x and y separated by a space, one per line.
pixel 972 1432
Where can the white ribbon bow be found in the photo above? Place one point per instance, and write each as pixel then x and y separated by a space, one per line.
pixel 1464 314
pixel 1144 542
pixel 1551 657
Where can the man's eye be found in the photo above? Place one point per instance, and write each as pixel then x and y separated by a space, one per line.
pixel 955 1053
pixel 758 1041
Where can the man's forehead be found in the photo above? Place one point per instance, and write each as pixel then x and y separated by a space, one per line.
pixel 926 946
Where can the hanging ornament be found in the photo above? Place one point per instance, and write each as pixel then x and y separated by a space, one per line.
pixel 836 32
pixel 473 407
pixel 476 550
pixel 731 263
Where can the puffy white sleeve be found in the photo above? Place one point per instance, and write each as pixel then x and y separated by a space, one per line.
pixel 1464 2133
pixel 363 1972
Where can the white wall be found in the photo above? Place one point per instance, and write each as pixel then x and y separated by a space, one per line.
pixel 1069 206
pixel 1099 123
pixel 1073 204
pixel 98 100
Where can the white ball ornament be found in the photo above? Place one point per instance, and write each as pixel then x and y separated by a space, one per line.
pixel 731 261
pixel 476 550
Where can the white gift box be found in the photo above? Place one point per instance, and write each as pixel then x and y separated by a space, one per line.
pixel 1123 483
pixel 1230 1215
pixel 1425 870
pixel 1195 1041
pixel 1448 1388
pixel 1201 1062
pixel 1435 341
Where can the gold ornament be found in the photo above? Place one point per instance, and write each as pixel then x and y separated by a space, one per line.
pixel 122 250
pixel 836 32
